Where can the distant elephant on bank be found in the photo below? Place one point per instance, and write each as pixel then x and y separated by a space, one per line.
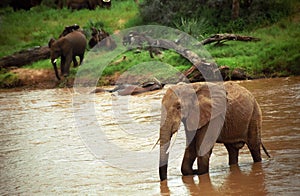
pixel 193 104
pixel 67 47
pixel 69 29
pixel 24 4
pixel 82 4
pixel 101 39
pixel 105 3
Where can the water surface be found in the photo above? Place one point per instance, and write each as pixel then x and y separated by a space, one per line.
pixel 43 148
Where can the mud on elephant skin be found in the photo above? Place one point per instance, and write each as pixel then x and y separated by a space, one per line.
pixel 67 48
pixel 230 115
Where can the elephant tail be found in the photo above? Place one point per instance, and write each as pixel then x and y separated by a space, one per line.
pixel 265 150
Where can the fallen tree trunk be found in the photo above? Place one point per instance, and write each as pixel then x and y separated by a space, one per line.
pixel 25 57
pixel 208 69
pixel 227 37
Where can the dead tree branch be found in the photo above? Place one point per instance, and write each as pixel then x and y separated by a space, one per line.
pixel 25 57
pixel 227 37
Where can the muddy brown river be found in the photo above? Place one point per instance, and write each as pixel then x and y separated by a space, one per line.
pixel 51 144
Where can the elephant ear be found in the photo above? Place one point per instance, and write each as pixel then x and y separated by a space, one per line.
pixel 209 104
pixel 197 106
pixel 51 41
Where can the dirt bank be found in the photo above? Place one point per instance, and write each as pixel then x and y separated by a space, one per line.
pixel 30 79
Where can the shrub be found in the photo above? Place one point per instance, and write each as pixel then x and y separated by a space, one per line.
pixel 216 14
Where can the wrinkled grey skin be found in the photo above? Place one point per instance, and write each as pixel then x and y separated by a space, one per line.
pixel 193 105
pixel 67 48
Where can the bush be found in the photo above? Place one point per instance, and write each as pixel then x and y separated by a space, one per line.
pixel 216 15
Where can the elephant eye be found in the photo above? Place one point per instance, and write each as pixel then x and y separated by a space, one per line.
pixel 178 106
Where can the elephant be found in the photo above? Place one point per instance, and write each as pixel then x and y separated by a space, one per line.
pixel 102 38
pixel 69 29
pixel 210 113
pixel 97 36
pixel 24 4
pixel 82 4
pixel 105 3
pixel 67 47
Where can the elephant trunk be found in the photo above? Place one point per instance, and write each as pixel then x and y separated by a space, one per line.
pixel 164 156
pixel 53 61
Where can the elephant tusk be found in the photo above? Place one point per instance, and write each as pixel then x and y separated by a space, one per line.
pixel 155 144
pixel 54 60
pixel 173 139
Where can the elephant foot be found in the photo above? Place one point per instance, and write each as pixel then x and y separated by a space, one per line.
pixel 188 172
pixel 201 172
pixel 163 172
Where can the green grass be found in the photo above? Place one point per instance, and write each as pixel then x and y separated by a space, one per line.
pixel 132 59
pixel 277 54
pixel 25 29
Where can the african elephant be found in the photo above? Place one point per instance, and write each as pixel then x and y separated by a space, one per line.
pixel 210 113
pixel 101 39
pixel 69 29
pixel 82 4
pixel 24 4
pixel 67 47
pixel 105 3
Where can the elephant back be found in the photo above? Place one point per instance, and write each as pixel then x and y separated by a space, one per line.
pixel 78 42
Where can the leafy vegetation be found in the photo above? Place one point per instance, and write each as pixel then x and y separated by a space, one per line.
pixel 277 54
pixel 208 17
pixel 276 24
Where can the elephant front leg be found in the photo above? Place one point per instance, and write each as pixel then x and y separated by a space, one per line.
pixel 203 163
pixel 62 65
pixel 188 160
pixel 67 65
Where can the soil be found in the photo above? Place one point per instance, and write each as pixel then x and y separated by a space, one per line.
pixel 36 78
pixel 30 79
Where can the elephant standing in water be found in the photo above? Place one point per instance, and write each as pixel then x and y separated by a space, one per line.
pixel 67 47
pixel 210 113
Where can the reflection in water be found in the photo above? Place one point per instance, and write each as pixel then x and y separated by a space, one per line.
pixel 41 151
pixel 235 182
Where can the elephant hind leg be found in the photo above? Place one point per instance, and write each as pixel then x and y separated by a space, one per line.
pixel 81 59
pixel 254 134
pixel 75 63
pixel 255 152
pixel 254 141
pixel 233 152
